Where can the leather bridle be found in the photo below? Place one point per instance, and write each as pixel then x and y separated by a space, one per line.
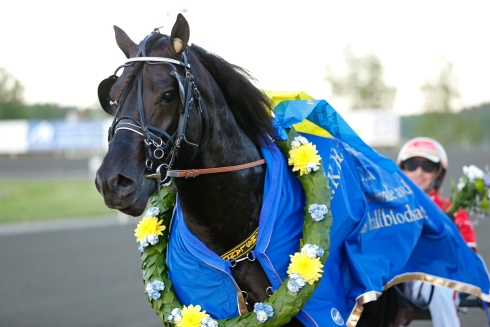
pixel 165 146
pixel 157 147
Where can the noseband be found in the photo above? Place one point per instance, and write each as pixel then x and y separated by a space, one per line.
pixel 156 147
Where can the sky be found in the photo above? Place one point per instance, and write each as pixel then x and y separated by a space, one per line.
pixel 61 50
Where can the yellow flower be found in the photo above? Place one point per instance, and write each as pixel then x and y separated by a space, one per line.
pixel 304 158
pixel 308 268
pixel 192 316
pixel 147 226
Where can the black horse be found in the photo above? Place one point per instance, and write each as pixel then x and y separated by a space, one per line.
pixel 178 108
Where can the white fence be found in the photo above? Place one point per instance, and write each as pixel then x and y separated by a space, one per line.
pixel 31 136
pixel 378 128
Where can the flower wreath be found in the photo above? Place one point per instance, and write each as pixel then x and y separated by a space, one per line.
pixel 304 271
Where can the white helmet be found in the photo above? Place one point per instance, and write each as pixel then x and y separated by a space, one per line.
pixel 424 147
pixel 429 149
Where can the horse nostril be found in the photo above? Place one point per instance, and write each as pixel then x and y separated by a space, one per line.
pixel 121 184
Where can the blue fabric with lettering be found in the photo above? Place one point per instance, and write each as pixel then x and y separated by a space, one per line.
pixel 384 228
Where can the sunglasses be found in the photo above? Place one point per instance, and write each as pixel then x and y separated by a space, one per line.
pixel 413 164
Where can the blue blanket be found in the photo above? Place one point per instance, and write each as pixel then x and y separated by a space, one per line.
pixel 385 231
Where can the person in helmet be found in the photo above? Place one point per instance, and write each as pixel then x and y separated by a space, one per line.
pixel 424 161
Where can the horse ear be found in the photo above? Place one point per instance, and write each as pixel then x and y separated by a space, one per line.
pixel 180 34
pixel 126 45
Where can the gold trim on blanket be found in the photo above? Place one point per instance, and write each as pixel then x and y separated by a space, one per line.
pixel 430 279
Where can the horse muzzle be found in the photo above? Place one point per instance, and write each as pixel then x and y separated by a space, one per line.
pixel 124 193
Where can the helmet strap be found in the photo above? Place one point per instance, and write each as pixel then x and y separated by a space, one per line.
pixel 438 178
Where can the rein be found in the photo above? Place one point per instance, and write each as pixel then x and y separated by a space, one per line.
pixel 196 172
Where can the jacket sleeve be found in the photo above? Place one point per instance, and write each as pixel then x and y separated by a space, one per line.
pixel 462 220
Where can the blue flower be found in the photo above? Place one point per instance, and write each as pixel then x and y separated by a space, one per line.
pixel 263 311
pixel 312 251
pixel 153 289
pixel 295 283
pixel 317 211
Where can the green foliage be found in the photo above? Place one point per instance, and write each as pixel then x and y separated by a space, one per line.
pixel 440 93
pixel 470 194
pixel 363 83
pixel 26 201
pixel 11 96
pixel 12 104
pixel 44 111
pixel 465 129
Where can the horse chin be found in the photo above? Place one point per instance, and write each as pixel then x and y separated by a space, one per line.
pixel 140 199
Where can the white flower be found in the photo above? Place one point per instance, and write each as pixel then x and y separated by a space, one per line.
pixel 317 211
pixel 298 141
pixel 144 242
pixel 175 316
pixel 152 212
pixel 209 322
pixel 312 166
pixel 261 316
pixel 296 282
pixel 473 173
pixel 153 289
pixel 152 239
pixel 461 184
pixel 295 144
pixel 312 251
pixel 263 311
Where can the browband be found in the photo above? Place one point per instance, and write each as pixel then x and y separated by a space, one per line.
pixel 159 59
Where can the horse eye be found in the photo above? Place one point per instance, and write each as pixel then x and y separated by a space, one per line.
pixel 168 97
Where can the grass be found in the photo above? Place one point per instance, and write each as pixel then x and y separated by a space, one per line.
pixel 26 201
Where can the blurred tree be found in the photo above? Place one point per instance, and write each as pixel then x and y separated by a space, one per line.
pixel 440 121
pixel 455 129
pixel 11 96
pixel 45 111
pixel 12 104
pixel 465 129
pixel 441 93
pixel 363 84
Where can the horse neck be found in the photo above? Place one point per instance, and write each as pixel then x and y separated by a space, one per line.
pixel 223 209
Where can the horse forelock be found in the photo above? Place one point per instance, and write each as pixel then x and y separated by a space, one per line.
pixel 249 105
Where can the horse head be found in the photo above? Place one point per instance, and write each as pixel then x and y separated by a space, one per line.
pixel 178 107
pixel 157 119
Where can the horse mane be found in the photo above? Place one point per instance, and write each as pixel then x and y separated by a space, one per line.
pixel 250 106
